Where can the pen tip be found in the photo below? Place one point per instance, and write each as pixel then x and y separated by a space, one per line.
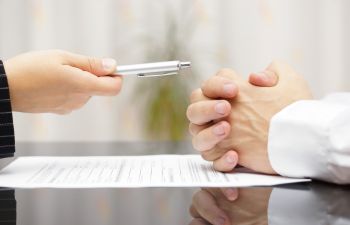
pixel 184 65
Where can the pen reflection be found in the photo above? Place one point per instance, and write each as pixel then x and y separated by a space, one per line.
pixel 300 204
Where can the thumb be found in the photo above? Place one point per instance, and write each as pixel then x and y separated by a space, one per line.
pixel 97 66
pixel 266 78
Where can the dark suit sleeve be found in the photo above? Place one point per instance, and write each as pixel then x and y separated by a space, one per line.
pixel 7 137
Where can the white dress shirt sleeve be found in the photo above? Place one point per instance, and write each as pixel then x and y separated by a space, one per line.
pixel 312 139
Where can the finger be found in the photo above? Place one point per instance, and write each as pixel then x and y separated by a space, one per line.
pixel 91 85
pixel 93 65
pixel 230 193
pixel 265 78
pixel 208 209
pixel 282 71
pixel 107 86
pixel 195 129
pixel 208 138
pixel 197 95
pixel 219 87
pixel 213 153
pixel 205 111
pixel 227 162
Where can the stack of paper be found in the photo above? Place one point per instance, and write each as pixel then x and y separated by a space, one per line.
pixel 127 171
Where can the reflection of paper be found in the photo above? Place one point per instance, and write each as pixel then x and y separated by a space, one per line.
pixel 126 171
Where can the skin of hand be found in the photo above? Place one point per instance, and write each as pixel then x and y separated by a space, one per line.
pixel 57 81
pixel 230 125
pixel 230 206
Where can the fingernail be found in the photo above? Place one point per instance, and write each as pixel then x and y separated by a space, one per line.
pixel 219 130
pixel 229 88
pixel 230 159
pixel 220 108
pixel 263 75
pixel 219 221
pixel 108 64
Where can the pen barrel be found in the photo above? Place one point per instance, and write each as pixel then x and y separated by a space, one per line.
pixel 149 68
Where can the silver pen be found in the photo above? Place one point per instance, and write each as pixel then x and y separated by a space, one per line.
pixel 153 69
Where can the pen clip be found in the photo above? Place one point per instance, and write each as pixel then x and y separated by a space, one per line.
pixel 161 74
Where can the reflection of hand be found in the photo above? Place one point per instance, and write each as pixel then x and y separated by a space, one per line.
pixel 226 121
pixel 58 81
pixel 230 206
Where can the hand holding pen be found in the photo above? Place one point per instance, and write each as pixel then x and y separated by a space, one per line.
pixel 57 81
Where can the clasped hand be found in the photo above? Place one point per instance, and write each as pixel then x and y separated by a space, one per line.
pixel 230 117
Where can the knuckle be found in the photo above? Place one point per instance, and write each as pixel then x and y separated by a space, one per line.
pixel 190 113
pixel 213 154
pixel 208 155
pixel 92 63
pixel 195 144
pixel 205 84
pixel 81 87
pixel 58 52
pixel 199 144
pixel 223 144
pixel 60 55
pixel 191 129
pixel 211 83
pixel 198 113
pixel 195 95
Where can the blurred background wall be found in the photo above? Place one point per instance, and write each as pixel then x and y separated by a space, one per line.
pixel 311 35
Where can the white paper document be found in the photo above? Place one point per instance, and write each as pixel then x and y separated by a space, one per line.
pixel 127 171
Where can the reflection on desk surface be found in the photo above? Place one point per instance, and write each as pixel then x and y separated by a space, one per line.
pixel 315 203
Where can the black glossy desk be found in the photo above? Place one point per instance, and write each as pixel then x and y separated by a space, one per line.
pixel 315 203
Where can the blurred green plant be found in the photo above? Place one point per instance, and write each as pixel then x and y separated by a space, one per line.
pixel 165 108
pixel 165 99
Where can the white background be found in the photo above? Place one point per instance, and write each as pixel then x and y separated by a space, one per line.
pixel 311 35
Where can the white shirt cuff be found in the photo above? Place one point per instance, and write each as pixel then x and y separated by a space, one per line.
pixel 301 140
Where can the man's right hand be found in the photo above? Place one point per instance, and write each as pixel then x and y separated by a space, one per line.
pixel 58 81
